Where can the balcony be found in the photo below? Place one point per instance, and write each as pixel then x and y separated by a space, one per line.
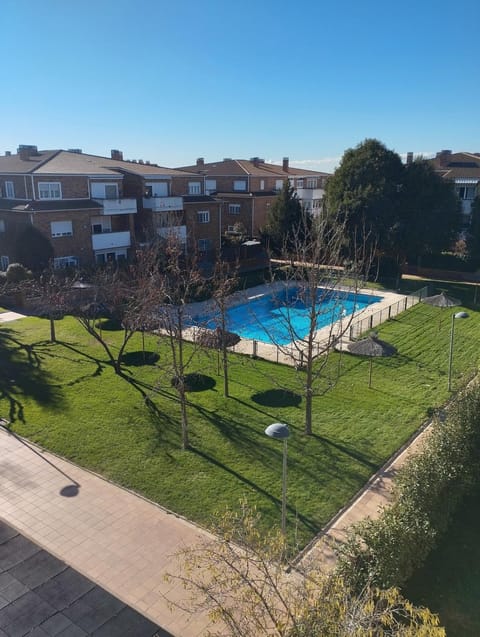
pixel 118 206
pixel 309 194
pixel 163 204
pixel 107 240
pixel 173 232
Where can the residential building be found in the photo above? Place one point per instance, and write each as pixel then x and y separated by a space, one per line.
pixel 95 209
pixel 247 188
pixel 464 170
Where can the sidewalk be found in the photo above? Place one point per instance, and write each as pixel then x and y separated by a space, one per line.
pixel 115 538
pixel 6 317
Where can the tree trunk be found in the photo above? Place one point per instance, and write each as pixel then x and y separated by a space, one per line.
pixel 309 393
pixel 225 372
pixel 53 337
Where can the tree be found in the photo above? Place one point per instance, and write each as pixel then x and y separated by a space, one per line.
pixel 128 296
pixel 179 283
pixel 473 236
pixel 316 278
pixel 364 191
pixel 429 214
pixel 285 218
pixel 33 249
pixel 239 579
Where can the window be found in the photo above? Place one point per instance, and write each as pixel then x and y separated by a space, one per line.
pixel 311 182
pixel 4 263
pixel 61 228
pixel 239 184
pixel 104 191
pixel 2 225
pixel 262 184
pixel 299 183
pixel 464 192
pixel 49 190
pixel 101 225
pixel 204 245
pixel 234 208
pixel 203 216
pixel 9 190
pixel 194 188
pixel 108 256
pixel 210 186
pixel 65 262
pixel 278 184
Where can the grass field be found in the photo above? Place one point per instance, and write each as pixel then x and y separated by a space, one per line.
pixel 66 397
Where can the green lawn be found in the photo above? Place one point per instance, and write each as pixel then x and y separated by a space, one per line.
pixel 66 397
pixel 449 583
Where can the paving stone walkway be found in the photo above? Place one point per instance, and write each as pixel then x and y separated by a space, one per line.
pixel 118 540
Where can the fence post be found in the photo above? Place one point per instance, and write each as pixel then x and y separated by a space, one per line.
pixel 406 302
pixel 254 351
pixel 370 322
pixel 389 312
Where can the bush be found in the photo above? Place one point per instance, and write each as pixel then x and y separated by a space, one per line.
pixel 16 273
pixel 426 494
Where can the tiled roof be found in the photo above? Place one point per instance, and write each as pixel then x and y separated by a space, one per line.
pixel 62 162
pixel 14 164
pixel 244 167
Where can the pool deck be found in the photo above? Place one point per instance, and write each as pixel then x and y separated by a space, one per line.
pixel 292 353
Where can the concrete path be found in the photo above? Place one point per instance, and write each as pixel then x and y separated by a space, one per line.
pixel 6 317
pixel 115 538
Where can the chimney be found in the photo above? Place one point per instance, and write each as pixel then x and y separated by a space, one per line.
pixel 409 158
pixel 200 162
pixel 285 165
pixel 8 153
pixel 77 151
pixel 24 154
pixel 255 161
pixel 443 156
pixel 116 154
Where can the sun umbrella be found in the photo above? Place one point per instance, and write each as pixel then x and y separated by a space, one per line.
pixel 441 300
pixel 217 338
pixel 371 347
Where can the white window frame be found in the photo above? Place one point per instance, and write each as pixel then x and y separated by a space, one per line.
pixel 240 184
pixel 234 208
pixel 66 262
pixel 203 216
pixel 2 225
pixel 262 184
pixel 9 190
pixel 299 183
pixel 312 182
pixel 278 184
pixel 194 188
pixel 204 245
pixel 62 228
pixel 49 190
pixel 4 262
pixel 105 222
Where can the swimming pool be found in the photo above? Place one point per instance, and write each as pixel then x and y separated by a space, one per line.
pixel 282 317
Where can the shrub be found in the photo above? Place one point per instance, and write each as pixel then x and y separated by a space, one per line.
pixel 16 273
pixel 426 494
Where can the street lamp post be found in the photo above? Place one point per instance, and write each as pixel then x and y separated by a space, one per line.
pixel 280 431
pixel 458 315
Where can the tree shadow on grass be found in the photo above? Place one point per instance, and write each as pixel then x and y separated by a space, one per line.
pixel 309 524
pixel 277 398
pixel 21 376
pixel 140 358
pixel 196 382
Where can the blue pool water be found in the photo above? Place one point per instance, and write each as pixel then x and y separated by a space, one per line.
pixel 282 317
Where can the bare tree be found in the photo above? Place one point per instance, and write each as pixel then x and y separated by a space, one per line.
pixel 239 579
pixel 317 283
pixel 180 282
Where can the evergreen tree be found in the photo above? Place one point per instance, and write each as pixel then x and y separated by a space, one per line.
pixel 287 221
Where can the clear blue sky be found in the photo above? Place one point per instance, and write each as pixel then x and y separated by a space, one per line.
pixel 173 81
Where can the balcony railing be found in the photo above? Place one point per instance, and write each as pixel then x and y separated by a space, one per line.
pixel 107 240
pixel 163 204
pixel 308 194
pixel 118 206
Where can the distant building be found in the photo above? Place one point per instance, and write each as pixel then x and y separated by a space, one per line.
pixel 95 209
pixel 247 188
pixel 464 170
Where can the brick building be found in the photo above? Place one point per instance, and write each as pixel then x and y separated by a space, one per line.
pixel 95 209
pixel 247 188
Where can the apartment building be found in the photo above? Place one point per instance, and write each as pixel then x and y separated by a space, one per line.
pixel 247 188
pixel 464 170
pixel 95 209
